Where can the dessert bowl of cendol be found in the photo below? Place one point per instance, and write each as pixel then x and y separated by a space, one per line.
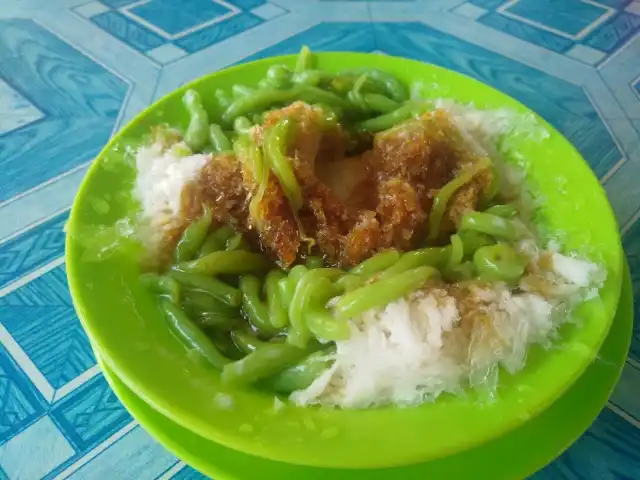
pixel 343 260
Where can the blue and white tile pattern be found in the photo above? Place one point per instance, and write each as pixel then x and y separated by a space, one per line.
pixel 74 71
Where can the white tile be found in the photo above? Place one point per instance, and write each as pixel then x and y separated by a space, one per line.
pixel 166 53
pixel 268 11
pixel 15 110
pixel 35 451
pixel 586 54
pixel 634 7
pixel 91 9
pixel 469 10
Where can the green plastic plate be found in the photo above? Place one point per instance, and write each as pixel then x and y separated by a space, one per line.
pixel 508 458
pixel 125 323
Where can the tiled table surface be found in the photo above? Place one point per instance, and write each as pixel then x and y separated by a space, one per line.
pixel 73 71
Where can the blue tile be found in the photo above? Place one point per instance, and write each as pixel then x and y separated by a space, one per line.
pixel 488 4
pixel 133 457
pixel 53 69
pixel 57 107
pixel 588 133
pixel 246 5
pixel 526 32
pixel 20 402
pixel 216 33
pixel 567 16
pixel 90 414
pixel 357 37
pixel 32 249
pixel 561 103
pixel 79 98
pixel 118 3
pixel 15 110
pixel 614 32
pixel 42 320
pixel 627 392
pixel 619 4
pixel 610 449
pixel 188 473
pixel 631 243
pixel 175 17
pixel 131 33
pixel 35 451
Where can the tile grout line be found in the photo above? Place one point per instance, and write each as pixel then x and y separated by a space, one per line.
pixel 26 364
pixel 617 52
pixel 22 281
pixel 33 225
pixel 127 11
pixel 96 451
pixel 624 415
pixel 172 471
pixel 633 362
pixel 613 95
pixel 616 76
pixel 612 171
pixel 604 118
pixel 503 10
pixel 631 222
pixel 70 386
pixel 45 184
pixel 369 15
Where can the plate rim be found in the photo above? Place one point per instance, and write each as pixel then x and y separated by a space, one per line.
pixel 625 308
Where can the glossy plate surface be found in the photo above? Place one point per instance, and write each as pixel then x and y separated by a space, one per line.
pixel 508 458
pixel 124 321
